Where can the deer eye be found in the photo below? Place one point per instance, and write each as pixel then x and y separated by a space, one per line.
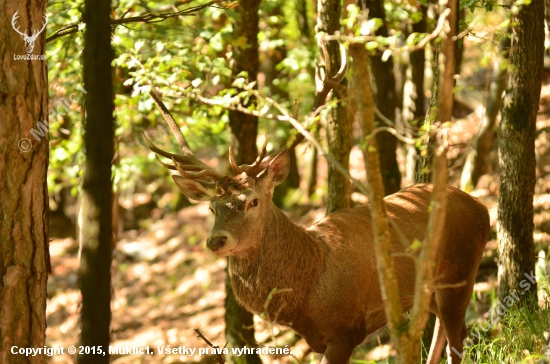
pixel 253 203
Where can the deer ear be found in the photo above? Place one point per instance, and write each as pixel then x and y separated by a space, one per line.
pixel 277 170
pixel 195 190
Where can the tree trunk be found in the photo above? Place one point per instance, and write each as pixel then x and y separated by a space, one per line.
pixel 425 160
pixel 386 101
pixel 24 213
pixel 271 58
pixel 339 128
pixel 460 41
pixel 302 17
pixel 418 61
pixel 476 164
pixel 244 127
pixel 517 150
pixel 413 104
pixel 96 231
pixel 244 130
pixel 381 230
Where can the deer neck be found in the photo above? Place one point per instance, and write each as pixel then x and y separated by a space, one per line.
pixel 289 261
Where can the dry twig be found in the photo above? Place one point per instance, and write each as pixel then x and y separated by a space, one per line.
pixel 219 356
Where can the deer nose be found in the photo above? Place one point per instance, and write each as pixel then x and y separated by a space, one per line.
pixel 216 242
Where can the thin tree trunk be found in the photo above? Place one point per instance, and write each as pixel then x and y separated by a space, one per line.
pixel 271 58
pixel 547 20
pixel 303 24
pixel 96 232
pixel 418 61
pixel 24 212
pixel 517 150
pixel 239 329
pixel 244 127
pixel 381 231
pixel 425 161
pixel 386 101
pixel 339 129
pixel 476 163
pixel 418 104
pixel 312 172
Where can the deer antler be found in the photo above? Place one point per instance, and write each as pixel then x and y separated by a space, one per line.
pixel 36 33
pixel 253 169
pixel 187 164
pixel 328 83
pixel 13 20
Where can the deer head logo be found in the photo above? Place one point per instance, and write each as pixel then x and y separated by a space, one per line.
pixel 29 40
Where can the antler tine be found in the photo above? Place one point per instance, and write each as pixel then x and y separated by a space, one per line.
pixel 182 163
pixel 13 20
pixel 171 123
pixel 183 159
pixel 165 165
pixel 36 33
pixel 234 165
pixel 253 169
pixel 45 23
pixel 206 173
pixel 263 152
pixel 184 167
pixel 329 82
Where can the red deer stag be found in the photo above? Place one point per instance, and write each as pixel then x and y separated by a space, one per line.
pixel 334 298
pixel 330 267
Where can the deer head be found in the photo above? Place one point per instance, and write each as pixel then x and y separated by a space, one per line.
pixel 29 40
pixel 240 203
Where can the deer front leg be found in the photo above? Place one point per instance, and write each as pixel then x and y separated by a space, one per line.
pixel 338 352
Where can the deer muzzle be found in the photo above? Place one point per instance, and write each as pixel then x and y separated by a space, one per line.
pixel 216 242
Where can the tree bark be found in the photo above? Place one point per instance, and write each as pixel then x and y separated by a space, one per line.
pixel 381 230
pixel 96 231
pixel 460 42
pixel 339 128
pixel 244 127
pixel 239 330
pixel 476 164
pixel 418 61
pixel 312 172
pixel 425 160
pixel 517 149
pixel 24 212
pixel 406 338
pixel 386 101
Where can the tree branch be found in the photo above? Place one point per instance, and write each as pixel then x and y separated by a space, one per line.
pixel 439 30
pixel 219 356
pixel 148 18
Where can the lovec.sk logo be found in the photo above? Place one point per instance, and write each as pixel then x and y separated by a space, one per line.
pixel 29 40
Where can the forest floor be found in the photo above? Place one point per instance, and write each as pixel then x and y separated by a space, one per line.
pixel 166 283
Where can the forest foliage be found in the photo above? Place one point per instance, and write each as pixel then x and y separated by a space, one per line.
pixel 190 56
pixel 185 51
